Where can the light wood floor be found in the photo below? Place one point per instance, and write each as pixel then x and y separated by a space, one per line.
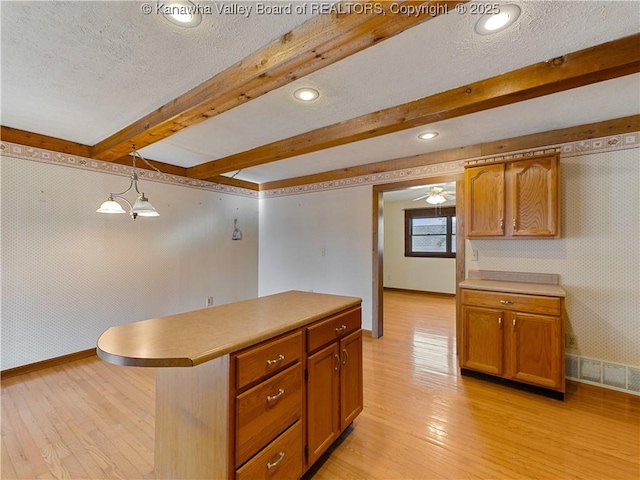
pixel 421 420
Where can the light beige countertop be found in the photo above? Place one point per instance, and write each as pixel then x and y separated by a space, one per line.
pixel 514 282
pixel 514 287
pixel 192 338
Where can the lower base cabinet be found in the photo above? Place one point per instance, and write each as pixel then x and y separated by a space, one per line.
pixel 293 397
pixel 514 336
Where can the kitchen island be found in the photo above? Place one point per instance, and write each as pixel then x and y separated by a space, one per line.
pixel 231 396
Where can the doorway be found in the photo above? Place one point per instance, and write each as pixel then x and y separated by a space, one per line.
pixel 378 242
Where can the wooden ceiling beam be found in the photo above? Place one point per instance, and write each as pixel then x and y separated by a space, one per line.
pixel 234 182
pixel 603 62
pixel 315 44
pixel 54 144
pixel 30 139
pixel 555 137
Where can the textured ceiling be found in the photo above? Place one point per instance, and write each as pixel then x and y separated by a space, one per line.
pixel 82 71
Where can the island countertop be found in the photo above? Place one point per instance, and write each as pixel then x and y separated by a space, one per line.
pixel 191 338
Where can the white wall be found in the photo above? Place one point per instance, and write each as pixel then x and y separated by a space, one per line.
pixel 412 273
pixel 296 230
pixel 69 273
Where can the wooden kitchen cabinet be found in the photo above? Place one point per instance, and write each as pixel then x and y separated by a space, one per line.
pixel 334 383
pixel 351 395
pixel 485 200
pixel 514 336
pixel 482 346
pixel 323 390
pixel 516 199
pixel 273 421
pixel 239 405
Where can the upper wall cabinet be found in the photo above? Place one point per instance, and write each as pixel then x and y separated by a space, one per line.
pixel 519 199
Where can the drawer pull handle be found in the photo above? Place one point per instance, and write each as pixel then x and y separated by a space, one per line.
pixel 502 224
pixel 506 302
pixel 346 356
pixel 514 323
pixel 337 357
pixel 499 322
pixel 275 360
pixel 273 398
pixel 341 328
pixel 277 462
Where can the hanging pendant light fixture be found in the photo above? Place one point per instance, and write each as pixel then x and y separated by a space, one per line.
pixel 141 207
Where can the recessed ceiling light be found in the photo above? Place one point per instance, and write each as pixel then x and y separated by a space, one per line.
pixel 496 22
pixel 306 94
pixel 427 135
pixel 180 12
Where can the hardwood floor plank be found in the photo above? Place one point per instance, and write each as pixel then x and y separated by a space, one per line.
pixel 421 419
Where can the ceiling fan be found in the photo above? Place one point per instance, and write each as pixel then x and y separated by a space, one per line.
pixel 437 195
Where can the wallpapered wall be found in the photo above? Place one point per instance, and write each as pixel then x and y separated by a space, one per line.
pixel 69 273
pixel 598 256
pixel 320 242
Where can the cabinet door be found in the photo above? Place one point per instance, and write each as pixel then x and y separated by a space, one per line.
pixel 482 339
pixel 485 200
pixel 536 350
pixel 351 400
pixel 323 395
pixel 533 198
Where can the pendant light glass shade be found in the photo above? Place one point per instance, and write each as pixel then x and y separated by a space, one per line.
pixel 143 208
pixel 110 206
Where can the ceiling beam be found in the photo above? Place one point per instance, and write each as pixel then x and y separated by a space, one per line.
pixel 235 182
pixel 317 43
pixel 603 62
pixel 30 139
pixel 606 128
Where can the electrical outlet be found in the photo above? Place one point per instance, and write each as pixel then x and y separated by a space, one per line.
pixel 474 255
pixel 209 302
pixel 571 341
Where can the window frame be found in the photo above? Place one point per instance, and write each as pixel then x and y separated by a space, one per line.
pixel 435 212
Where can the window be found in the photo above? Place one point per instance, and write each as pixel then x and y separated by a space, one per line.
pixel 430 232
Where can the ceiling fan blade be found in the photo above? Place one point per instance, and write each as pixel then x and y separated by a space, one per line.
pixel 423 196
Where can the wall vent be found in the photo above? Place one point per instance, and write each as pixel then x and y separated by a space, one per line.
pixel 591 370
pixel 572 366
pixel 633 379
pixel 615 376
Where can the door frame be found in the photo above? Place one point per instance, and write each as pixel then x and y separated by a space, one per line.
pixel 377 323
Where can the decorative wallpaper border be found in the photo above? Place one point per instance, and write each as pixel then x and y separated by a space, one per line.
pixel 569 149
pixel 75 161
pixel 391 176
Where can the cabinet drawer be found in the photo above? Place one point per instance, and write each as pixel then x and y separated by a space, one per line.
pixel 281 459
pixel 512 301
pixel 266 410
pixel 333 328
pixel 265 359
